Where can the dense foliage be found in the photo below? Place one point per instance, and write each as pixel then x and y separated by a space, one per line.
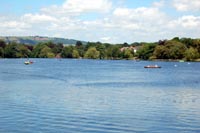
pixel 175 49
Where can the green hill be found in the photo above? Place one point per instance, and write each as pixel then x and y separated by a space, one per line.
pixel 32 40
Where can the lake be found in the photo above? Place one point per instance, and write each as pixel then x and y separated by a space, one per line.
pixel 98 96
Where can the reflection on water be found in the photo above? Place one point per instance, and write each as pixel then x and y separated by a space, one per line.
pixel 98 96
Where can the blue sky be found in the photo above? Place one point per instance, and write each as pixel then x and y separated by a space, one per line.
pixel 19 7
pixel 114 21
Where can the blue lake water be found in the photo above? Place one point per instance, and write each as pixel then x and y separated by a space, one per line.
pixel 100 96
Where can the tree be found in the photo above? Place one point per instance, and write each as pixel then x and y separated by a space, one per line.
pixel 160 52
pixel 57 49
pixel 80 48
pixel 50 44
pixel 113 52
pixel 176 39
pixel 146 51
pixel 187 41
pixel 1 52
pixel 46 53
pixel 2 44
pixel 67 52
pixel 191 54
pixel 92 53
pixel 102 49
pixel 175 49
pixel 125 44
pixel 196 44
pixel 89 45
pixel 127 54
pixel 78 44
pixel 161 42
pixel 30 47
pixel 10 50
pixel 37 50
pixel 75 54
pixel 50 55
pixel 22 51
pixel 170 50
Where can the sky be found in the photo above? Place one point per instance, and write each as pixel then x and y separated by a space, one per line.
pixel 111 21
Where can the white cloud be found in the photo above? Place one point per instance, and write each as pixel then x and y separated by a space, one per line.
pixel 77 7
pixel 159 4
pixel 13 25
pixel 106 39
pixel 187 5
pixel 87 5
pixel 122 12
pixel 184 26
pixel 114 24
pixel 138 13
pixel 122 22
pixel 139 18
pixel 38 18
pixel 186 22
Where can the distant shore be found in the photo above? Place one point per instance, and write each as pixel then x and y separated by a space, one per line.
pixel 176 49
pixel 136 60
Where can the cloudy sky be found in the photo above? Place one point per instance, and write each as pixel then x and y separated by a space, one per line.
pixel 113 21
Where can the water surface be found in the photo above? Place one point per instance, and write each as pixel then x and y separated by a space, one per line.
pixel 99 96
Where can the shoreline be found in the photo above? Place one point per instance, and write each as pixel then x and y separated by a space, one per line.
pixel 136 60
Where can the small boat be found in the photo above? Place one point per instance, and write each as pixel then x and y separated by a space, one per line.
pixel 28 62
pixel 152 66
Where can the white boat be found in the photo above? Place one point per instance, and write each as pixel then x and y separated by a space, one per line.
pixel 152 66
pixel 28 62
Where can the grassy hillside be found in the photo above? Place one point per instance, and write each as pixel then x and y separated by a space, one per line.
pixel 32 40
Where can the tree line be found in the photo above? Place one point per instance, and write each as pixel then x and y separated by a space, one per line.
pixel 176 48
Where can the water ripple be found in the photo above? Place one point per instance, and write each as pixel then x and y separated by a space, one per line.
pixel 83 96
